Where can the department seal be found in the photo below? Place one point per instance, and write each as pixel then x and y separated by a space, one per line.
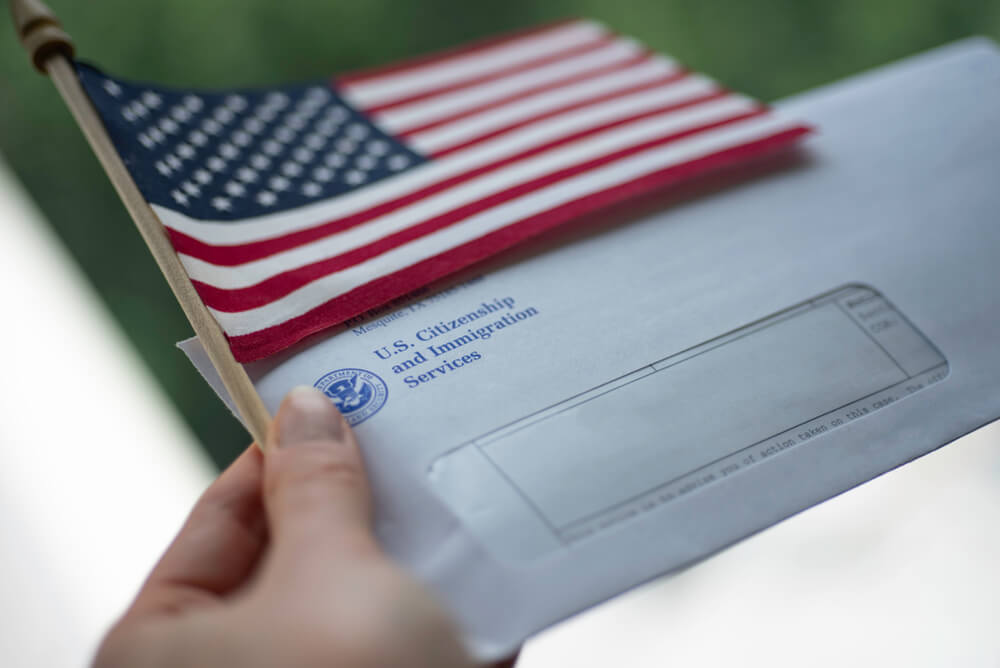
pixel 357 393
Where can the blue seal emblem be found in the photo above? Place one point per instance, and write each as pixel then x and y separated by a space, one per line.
pixel 357 393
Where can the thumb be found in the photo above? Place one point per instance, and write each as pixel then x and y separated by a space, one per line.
pixel 315 489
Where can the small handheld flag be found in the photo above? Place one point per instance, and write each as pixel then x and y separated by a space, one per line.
pixel 296 208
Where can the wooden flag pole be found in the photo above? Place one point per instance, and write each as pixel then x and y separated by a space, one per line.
pixel 51 49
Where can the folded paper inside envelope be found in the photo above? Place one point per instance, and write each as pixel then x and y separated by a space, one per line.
pixel 564 473
pixel 575 422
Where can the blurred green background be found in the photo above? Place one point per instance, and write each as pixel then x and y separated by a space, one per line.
pixel 767 48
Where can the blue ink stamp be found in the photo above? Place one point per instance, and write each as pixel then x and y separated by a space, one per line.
pixel 357 394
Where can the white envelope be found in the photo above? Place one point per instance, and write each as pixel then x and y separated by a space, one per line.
pixel 577 421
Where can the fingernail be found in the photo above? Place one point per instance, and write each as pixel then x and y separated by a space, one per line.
pixel 306 415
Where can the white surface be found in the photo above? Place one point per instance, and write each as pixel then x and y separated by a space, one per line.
pixel 98 472
pixel 899 193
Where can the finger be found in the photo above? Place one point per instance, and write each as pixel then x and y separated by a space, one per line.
pixel 315 488
pixel 217 547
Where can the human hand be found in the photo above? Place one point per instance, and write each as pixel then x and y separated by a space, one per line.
pixel 277 566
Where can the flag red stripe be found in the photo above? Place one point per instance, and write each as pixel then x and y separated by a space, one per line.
pixel 514 97
pixel 465 50
pixel 597 99
pixel 235 255
pixel 278 286
pixel 250 347
pixel 565 54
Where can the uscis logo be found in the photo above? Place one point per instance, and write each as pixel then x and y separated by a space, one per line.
pixel 357 393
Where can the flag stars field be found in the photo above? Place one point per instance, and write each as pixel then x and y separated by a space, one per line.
pixel 274 148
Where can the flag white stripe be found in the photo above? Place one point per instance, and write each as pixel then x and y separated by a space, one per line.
pixel 320 291
pixel 599 145
pixel 403 118
pixel 382 89
pixel 437 139
pixel 285 222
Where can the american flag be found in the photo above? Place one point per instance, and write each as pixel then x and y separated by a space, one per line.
pixel 296 208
